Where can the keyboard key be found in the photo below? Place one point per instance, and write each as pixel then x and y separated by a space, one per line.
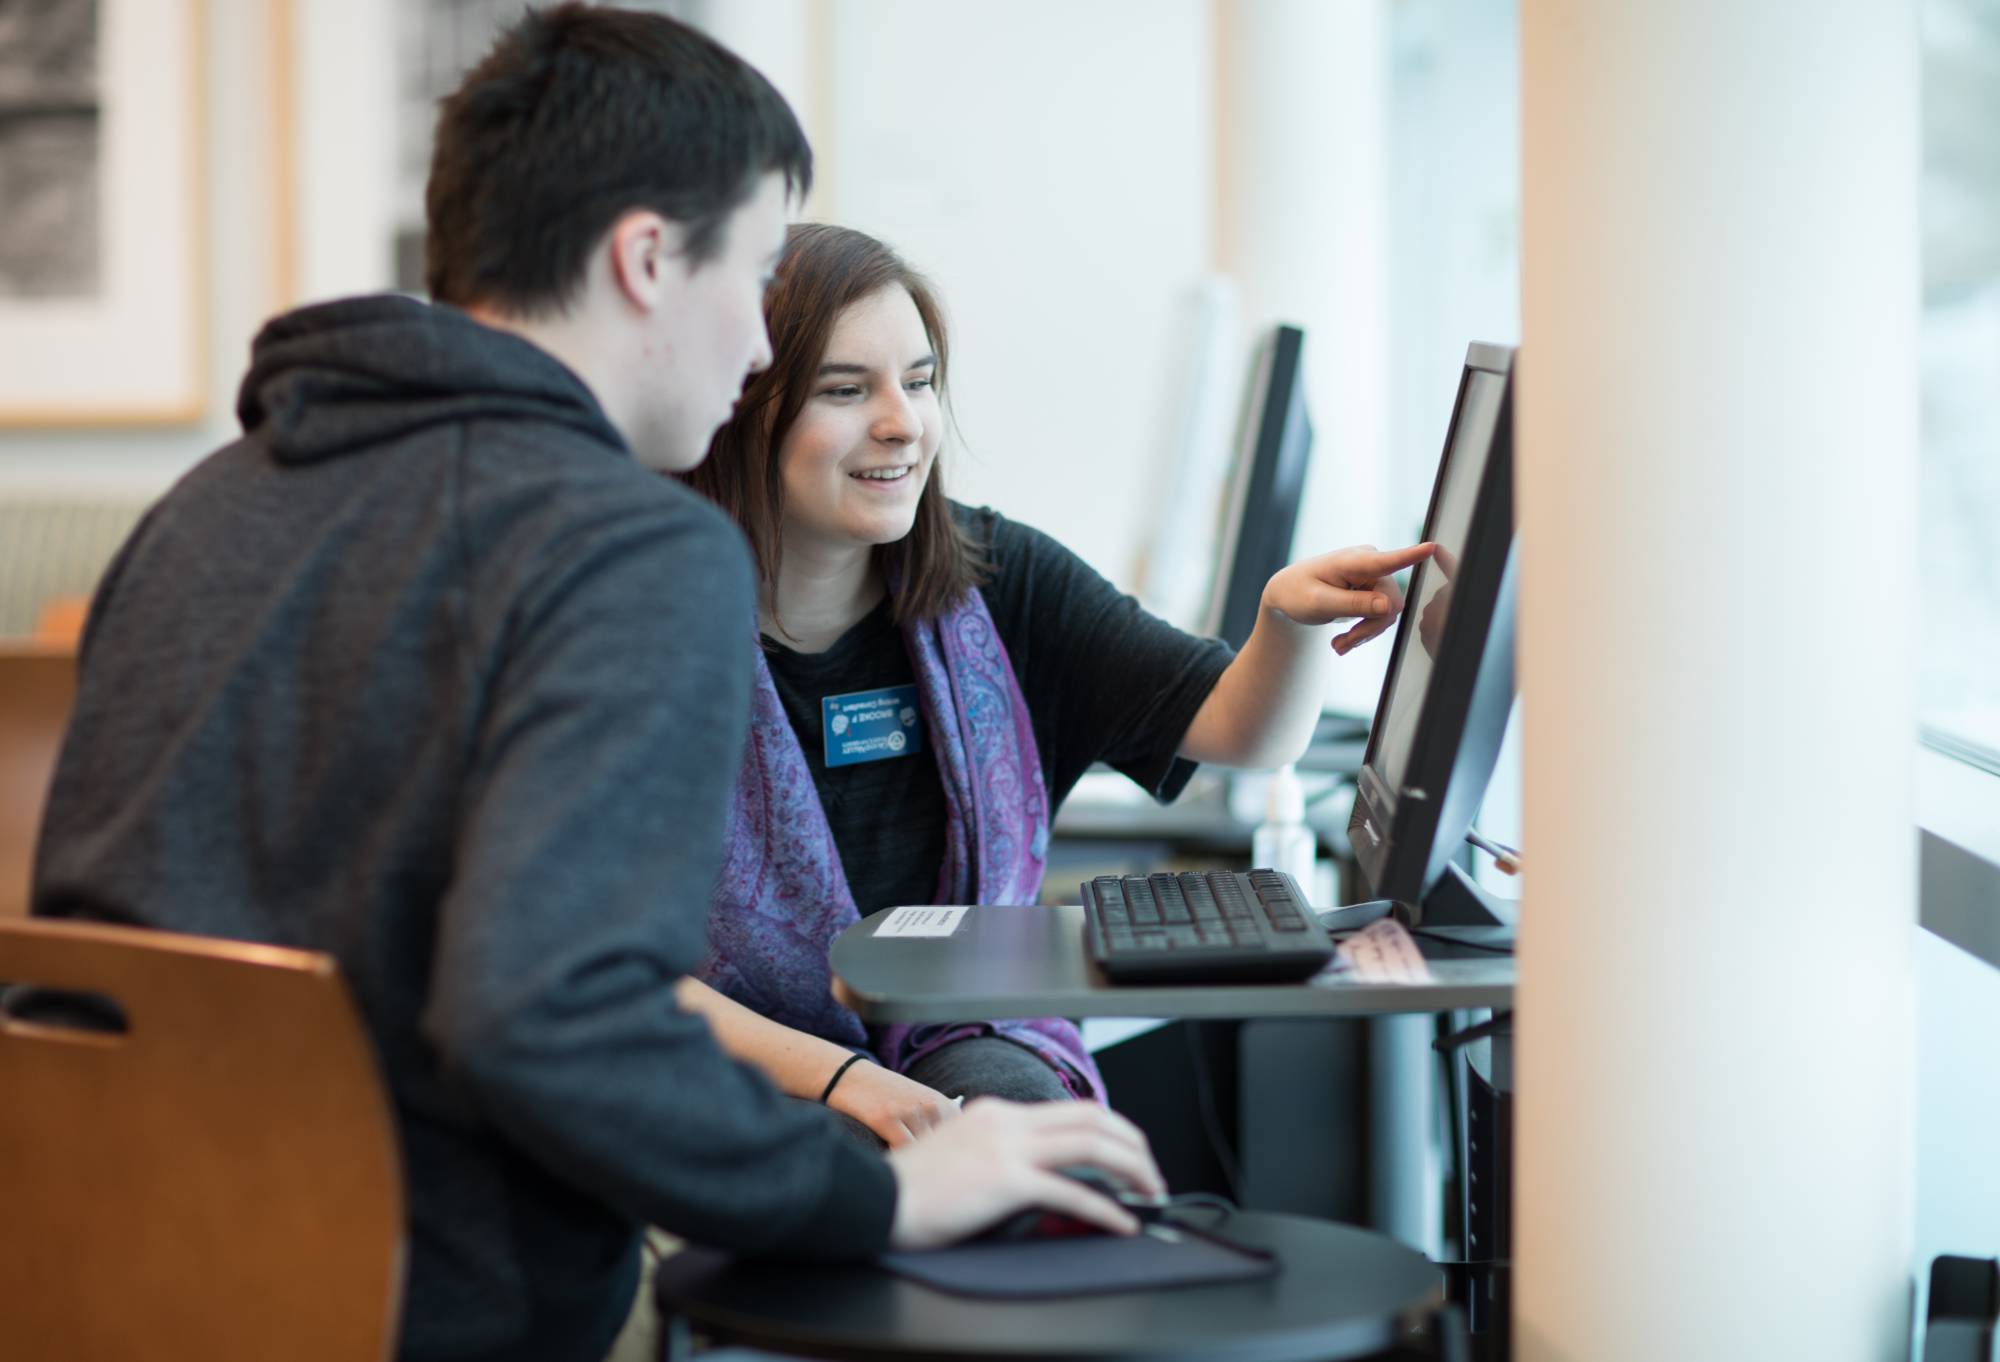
pixel 1199 900
pixel 1228 893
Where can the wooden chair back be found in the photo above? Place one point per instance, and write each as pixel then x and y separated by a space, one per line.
pixel 37 691
pixel 219 1182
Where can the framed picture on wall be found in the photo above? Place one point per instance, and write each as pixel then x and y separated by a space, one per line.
pixel 102 276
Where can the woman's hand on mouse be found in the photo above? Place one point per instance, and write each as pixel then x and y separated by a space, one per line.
pixel 896 1108
pixel 1357 583
pixel 1001 1157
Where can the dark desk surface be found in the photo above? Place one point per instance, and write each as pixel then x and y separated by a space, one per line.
pixel 1343 1293
pixel 1030 962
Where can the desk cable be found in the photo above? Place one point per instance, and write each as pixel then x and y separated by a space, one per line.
pixel 1207 1201
pixel 1486 1030
pixel 1506 858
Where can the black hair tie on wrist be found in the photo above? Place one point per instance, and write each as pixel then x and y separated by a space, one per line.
pixel 852 1060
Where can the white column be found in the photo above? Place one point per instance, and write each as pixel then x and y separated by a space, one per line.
pixel 1717 429
pixel 344 116
pixel 785 40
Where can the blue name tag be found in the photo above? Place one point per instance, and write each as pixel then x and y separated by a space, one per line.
pixel 871 725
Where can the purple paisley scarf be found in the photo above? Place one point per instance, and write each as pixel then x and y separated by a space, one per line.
pixel 783 897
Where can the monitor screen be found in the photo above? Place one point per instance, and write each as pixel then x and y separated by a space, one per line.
pixel 1430 584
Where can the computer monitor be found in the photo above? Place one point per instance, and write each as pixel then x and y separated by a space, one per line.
pixel 1267 480
pixel 1450 682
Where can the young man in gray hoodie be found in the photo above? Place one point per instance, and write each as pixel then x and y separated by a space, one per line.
pixel 431 670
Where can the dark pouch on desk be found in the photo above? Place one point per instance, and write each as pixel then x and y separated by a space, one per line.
pixel 1084 1266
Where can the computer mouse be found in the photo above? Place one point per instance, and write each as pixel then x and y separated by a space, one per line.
pixel 1037 1222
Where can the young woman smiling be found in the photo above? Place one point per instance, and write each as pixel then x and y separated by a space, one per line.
pixel 931 683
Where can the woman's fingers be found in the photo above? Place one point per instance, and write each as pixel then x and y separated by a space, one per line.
pixel 1371 564
pixel 928 1115
pixel 1364 564
pixel 1362 603
pixel 1358 635
pixel 890 1131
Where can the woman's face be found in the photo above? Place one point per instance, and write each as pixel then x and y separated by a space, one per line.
pixel 857 457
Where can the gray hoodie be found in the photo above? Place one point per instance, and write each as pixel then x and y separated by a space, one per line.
pixel 427 672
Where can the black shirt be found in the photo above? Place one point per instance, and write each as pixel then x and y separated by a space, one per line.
pixel 1103 681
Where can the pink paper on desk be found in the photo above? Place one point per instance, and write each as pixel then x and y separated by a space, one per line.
pixel 1384 953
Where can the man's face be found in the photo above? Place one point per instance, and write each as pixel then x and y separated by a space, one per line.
pixel 709 334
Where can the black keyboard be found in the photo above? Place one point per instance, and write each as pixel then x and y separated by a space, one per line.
pixel 1219 927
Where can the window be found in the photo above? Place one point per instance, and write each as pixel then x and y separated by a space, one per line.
pixel 1959 533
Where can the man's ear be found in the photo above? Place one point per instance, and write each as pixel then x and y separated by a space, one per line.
pixel 645 258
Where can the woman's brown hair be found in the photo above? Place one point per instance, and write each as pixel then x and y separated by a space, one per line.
pixel 825 270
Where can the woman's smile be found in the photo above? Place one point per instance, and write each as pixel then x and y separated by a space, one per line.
pixel 885 477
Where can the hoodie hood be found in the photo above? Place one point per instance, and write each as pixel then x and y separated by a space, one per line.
pixel 356 374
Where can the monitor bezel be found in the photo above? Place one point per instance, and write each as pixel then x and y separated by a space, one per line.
pixel 1396 832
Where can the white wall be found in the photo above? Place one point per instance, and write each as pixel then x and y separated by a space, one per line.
pixel 1049 165
pixel 237 262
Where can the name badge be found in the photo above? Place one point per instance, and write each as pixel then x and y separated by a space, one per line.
pixel 871 725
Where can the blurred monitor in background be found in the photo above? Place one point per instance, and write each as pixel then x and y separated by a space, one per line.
pixel 1267 481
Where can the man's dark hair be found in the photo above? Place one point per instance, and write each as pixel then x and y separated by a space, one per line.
pixel 577 116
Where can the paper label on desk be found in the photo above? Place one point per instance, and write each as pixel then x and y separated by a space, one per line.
pixel 1384 953
pixel 921 920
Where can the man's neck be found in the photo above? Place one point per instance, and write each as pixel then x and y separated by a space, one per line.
pixel 820 594
pixel 571 343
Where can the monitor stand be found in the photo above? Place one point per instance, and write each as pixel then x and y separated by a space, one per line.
pixel 1455 902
